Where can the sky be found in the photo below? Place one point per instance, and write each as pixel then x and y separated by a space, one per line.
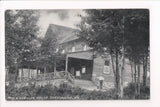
pixel 67 18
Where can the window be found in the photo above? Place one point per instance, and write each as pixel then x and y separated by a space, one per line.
pixel 84 47
pixel 106 63
pixel 63 51
pixel 83 70
pixel 73 49
pixel 106 69
pixel 78 74
pixel 57 50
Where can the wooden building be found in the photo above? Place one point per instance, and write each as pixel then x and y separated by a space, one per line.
pixel 78 55
pixel 80 61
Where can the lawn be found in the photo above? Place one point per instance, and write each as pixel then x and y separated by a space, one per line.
pixel 67 92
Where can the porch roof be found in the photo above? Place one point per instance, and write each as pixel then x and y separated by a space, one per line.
pixel 88 55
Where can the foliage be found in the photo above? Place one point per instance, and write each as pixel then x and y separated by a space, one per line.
pixel 21 32
pixel 27 91
pixel 63 92
pixel 103 28
pixel 119 32
pixel 137 35
pixel 110 30
pixel 129 92
pixel 47 51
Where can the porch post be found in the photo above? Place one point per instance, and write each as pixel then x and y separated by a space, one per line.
pixel 55 66
pixel 36 72
pixel 66 67
pixel 28 73
pixel 20 74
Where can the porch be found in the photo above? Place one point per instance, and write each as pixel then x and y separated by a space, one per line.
pixel 77 65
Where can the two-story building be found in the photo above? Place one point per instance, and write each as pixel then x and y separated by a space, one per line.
pixel 79 58
pixel 78 55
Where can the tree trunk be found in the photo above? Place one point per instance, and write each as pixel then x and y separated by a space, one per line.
pixel 138 81
pixel 135 81
pixel 117 76
pixel 145 71
pixel 54 68
pixel 66 64
pixel 113 68
pixel 7 72
pixel 132 74
pixel 123 62
pixel 36 72
pixel 22 75
pixel 122 76
pixel 44 72
pixel 16 71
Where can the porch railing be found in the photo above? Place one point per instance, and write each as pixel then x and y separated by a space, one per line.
pixel 48 76
pixel 69 76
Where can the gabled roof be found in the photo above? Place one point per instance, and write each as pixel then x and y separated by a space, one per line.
pixel 62 33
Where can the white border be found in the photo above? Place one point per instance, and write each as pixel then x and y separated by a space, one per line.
pixel 154 7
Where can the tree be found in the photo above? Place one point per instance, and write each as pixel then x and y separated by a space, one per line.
pixel 20 31
pixel 138 43
pixel 106 31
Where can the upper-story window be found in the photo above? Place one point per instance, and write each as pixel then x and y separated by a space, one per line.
pixel 73 49
pixel 57 49
pixel 85 47
pixel 63 51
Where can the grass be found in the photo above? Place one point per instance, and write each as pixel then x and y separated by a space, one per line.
pixel 67 92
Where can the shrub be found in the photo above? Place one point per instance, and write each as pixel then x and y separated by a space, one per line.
pixel 67 91
pixel 14 92
pixel 145 92
pixel 44 91
pixel 129 92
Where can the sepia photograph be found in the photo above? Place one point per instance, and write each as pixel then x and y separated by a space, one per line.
pixel 77 54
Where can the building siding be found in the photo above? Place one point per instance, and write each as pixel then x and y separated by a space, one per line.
pixel 96 69
pixel 98 72
pixel 78 44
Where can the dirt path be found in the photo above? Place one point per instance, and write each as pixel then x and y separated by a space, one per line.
pixel 85 84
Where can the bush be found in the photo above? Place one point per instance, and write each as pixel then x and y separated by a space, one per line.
pixel 13 92
pixel 44 91
pixel 50 92
pixel 145 92
pixel 129 92
pixel 67 92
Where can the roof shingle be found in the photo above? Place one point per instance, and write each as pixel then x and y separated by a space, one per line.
pixel 63 34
